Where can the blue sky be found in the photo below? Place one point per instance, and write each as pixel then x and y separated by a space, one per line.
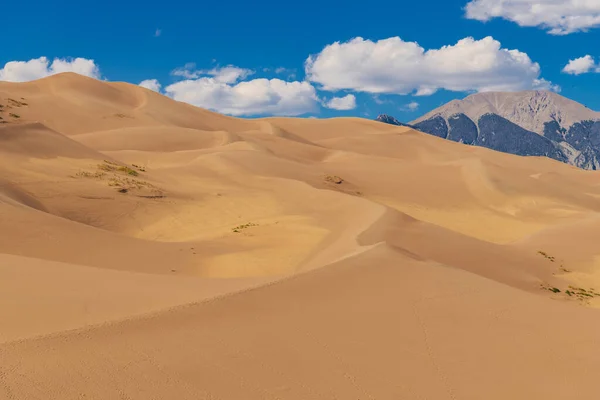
pixel 135 42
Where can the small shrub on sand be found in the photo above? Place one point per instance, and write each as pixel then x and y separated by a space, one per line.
pixel 552 289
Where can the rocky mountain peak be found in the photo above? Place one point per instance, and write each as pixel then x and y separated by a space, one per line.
pixel 529 109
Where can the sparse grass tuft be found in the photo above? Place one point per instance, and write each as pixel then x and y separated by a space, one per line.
pixel 106 167
pixel 111 167
pixel 14 115
pixel 16 103
pixel 573 292
pixel 128 171
pixel 545 255
pixel 334 179
pixel 87 174
pixel 239 228
pixel 123 184
pixel 563 269
pixel 583 294
pixel 129 183
pixel 552 289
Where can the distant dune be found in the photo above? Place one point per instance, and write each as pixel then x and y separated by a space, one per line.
pixel 153 250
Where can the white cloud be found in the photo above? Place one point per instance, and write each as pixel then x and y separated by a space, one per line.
pixel 395 66
pixel 560 17
pixel 542 84
pixel 158 32
pixel 581 65
pixel 188 71
pixel 255 97
pixel 23 71
pixel 291 73
pixel 227 74
pixel 347 102
pixel 412 106
pixel 152 84
pixel 378 99
pixel 219 89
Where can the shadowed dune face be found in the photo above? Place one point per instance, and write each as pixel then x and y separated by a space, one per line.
pixel 371 248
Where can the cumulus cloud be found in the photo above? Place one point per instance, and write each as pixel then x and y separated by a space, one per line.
pixel 581 65
pixel 23 71
pixel 254 97
pixel 347 102
pixel 222 89
pixel 559 17
pixel 152 84
pixel 412 106
pixel 227 74
pixel 398 67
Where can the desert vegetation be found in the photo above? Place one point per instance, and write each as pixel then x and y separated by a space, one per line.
pixel 123 178
pixel 240 228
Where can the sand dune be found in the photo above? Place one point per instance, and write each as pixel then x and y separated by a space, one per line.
pixel 150 249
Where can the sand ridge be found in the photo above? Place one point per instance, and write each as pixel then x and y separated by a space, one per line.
pixel 167 251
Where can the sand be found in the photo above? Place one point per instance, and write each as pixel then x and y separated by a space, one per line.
pixel 153 250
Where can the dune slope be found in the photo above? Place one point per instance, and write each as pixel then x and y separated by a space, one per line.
pixel 151 249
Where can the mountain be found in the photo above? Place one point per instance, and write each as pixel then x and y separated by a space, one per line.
pixel 388 119
pixel 529 123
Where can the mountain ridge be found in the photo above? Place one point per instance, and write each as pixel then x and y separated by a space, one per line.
pixel 529 109
pixel 529 123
